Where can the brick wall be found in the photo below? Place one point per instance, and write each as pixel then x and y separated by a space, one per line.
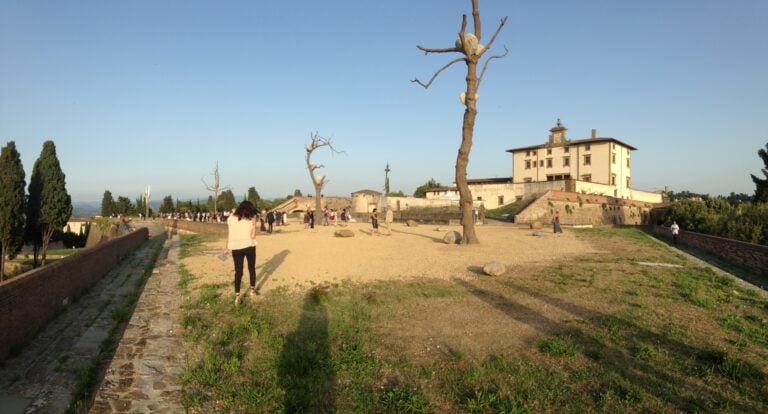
pixel 31 299
pixel 751 256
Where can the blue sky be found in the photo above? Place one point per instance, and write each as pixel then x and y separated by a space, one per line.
pixel 147 92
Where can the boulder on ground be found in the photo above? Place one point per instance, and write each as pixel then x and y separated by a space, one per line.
pixel 494 268
pixel 438 229
pixel 344 233
pixel 452 237
pixel 535 225
pixel 412 223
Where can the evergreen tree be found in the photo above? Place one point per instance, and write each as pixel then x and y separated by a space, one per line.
pixel 11 204
pixel 107 204
pixel 167 206
pixel 421 191
pixel 48 197
pixel 124 206
pixel 297 193
pixel 226 201
pixel 253 197
pixel 761 184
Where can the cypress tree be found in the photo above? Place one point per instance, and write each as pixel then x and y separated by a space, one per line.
pixel 761 184
pixel 11 204
pixel 48 198
pixel 107 204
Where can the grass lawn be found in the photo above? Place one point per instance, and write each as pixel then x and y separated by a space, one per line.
pixel 600 333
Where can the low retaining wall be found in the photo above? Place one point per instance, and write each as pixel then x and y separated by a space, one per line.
pixel 195 226
pixel 31 299
pixel 751 256
pixel 584 209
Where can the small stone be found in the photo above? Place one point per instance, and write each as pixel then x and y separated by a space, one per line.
pixel 438 229
pixel 494 268
pixel 412 223
pixel 344 233
pixel 452 237
pixel 537 234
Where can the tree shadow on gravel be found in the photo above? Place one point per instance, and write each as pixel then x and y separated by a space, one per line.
pixel 624 374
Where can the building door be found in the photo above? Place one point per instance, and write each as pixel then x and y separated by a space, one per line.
pixel 501 200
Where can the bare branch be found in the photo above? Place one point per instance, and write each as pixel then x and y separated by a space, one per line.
pixel 461 33
pixel 493 39
pixel 476 17
pixel 425 86
pixel 487 61
pixel 427 50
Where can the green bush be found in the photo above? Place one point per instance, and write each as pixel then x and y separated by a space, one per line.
pixel 716 216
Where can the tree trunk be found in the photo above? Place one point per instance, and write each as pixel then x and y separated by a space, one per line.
pixel 462 160
pixel 47 233
pixel 2 263
pixel 318 198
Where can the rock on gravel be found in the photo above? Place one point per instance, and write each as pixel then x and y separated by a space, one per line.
pixel 494 269
pixel 412 223
pixel 344 233
pixel 452 237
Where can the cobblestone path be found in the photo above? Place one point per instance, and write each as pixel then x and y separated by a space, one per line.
pixel 44 376
pixel 142 376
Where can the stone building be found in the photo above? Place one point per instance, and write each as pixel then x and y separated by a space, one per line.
pixel 595 166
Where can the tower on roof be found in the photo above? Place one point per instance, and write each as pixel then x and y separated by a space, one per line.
pixel 557 134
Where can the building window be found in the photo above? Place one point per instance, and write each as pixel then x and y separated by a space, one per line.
pixel 613 158
pixel 628 182
pixel 613 146
pixel 479 198
pixel 627 162
pixel 549 151
pixel 549 162
pixel 587 178
pixel 586 147
pixel 587 159
pixel 566 161
pixel 566 150
pixel 501 200
pixel 527 179
pixel 613 179
pixel 527 164
pixel 541 163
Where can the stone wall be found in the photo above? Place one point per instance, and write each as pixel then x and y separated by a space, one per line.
pixel 195 226
pixel 748 255
pixel 582 209
pixel 29 300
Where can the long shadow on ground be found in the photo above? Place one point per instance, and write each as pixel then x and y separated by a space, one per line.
pixel 305 370
pixel 623 371
pixel 269 267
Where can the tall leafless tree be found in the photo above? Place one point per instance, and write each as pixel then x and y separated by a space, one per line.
pixel 318 181
pixel 216 187
pixel 468 44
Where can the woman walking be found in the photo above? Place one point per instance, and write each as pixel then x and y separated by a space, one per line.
pixel 241 242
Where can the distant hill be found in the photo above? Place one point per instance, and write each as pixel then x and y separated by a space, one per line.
pixel 85 209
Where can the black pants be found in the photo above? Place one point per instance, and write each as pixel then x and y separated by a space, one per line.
pixel 248 253
pixel 270 226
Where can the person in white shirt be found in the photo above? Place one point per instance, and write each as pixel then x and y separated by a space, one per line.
pixel 241 242
pixel 675 229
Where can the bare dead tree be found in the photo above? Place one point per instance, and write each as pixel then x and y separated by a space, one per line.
pixel 216 187
pixel 318 181
pixel 468 44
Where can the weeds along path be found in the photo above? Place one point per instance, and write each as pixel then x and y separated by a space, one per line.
pixel 142 376
pixel 54 371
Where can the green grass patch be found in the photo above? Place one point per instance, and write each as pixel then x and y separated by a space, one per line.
pixel 363 348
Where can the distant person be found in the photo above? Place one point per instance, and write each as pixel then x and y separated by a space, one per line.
pixel 556 223
pixel 270 220
pixel 375 221
pixel 675 230
pixel 241 242
pixel 475 215
pixel 311 219
pixel 389 217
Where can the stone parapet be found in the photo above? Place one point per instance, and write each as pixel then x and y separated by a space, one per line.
pixel 748 255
